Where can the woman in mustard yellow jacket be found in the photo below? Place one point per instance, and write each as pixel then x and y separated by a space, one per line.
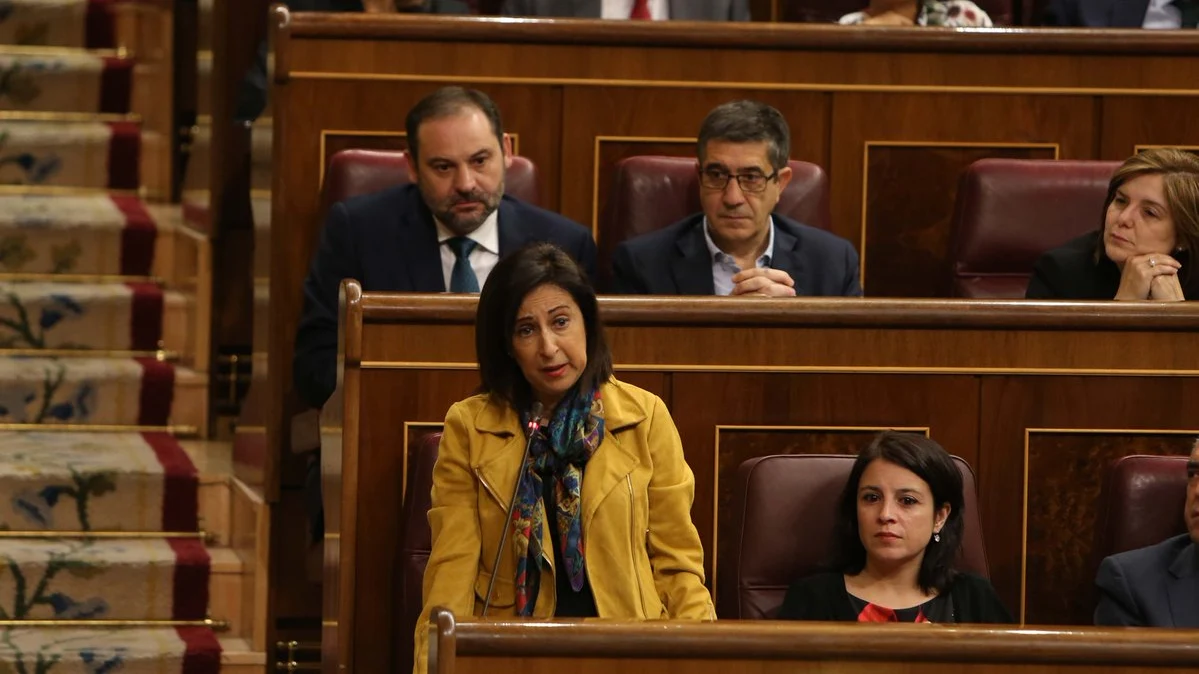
pixel 601 516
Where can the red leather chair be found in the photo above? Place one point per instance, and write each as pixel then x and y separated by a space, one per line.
pixel 824 11
pixel 1141 503
pixel 353 173
pixel 415 545
pixel 1011 211
pixel 785 510
pixel 651 192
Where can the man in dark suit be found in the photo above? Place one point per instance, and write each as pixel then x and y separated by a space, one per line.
pixel 737 245
pixel 678 10
pixel 444 231
pixel 1167 14
pixel 1157 586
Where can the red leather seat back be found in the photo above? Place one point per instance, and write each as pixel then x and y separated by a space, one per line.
pixel 652 192
pixel 356 172
pixel 785 509
pixel 1011 211
pixel 416 544
pixel 1141 503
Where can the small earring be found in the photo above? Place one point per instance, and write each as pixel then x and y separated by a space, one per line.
pixel 936 538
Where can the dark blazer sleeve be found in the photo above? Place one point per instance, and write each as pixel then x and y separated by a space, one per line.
pixel 314 365
pixel 852 286
pixel 976 601
pixel 626 277
pixel 818 597
pixel 1116 607
pixel 1062 13
pixel 1049 281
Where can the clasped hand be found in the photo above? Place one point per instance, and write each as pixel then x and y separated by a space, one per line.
pixel 1153 276
pixel 763 282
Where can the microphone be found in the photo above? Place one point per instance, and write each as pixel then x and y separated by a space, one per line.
pixel 533 426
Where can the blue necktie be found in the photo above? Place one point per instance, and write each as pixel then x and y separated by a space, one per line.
pixel 462 278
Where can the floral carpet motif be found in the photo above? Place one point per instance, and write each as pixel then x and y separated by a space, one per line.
pixel 75 234
pixel 96 651
pixel 44 23
pixel 84 391
pixel 113 316
pixel 96 482
pixel 61 154
pixel 64 82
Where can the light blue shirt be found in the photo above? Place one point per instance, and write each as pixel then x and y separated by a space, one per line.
pixel 724 267
pixel 1162 14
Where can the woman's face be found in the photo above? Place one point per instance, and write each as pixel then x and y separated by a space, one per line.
pixel 549 342
pixel 1137 221
pixel 896 514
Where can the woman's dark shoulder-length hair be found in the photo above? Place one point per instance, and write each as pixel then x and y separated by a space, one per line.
pixel 509 282
pixel 927 459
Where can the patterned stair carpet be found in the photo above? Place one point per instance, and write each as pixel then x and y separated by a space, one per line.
pixel 58 23
pixel 97 155
pixel 187 650
pixel 97 482
pixel 65 82
pixel 102 391
pixel 113 316
pixel 76 234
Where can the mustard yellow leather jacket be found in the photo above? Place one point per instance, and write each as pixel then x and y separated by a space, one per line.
pixel 643 554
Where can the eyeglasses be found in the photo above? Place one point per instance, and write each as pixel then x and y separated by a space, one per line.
pixel 716 179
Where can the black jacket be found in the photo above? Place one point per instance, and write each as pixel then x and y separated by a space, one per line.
pixel 388 242
pixel 1071 273
pixel 676 261
pixel 1096 13
pixel 823 597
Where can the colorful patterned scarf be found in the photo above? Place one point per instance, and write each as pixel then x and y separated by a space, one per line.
pixel 561 449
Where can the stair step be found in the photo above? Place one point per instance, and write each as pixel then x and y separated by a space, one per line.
pixel 261 141
pixel 107 317
pixel 101 482
pixel 76 234
pixel 187 650
pixel 82 392
pixel 64 81
pixel 57 154
pixel 109 579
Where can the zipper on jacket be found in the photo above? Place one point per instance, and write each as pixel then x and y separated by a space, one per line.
pixel 633 547
pixel 494 494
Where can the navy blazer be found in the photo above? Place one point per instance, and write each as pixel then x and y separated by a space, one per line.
pixel 1157 586
pixel 388 242
pixel 1097 13
pixel 676 261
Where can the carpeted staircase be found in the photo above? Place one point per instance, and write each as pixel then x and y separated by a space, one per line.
pixel 115 515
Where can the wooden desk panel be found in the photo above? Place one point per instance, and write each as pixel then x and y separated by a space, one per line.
pixel 1036 396
pixel 775 647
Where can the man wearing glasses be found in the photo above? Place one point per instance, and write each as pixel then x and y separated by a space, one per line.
pixel 737 245
pixel 1157 586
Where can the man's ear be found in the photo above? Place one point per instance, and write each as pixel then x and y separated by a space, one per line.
pixel 784 177
pixel 413 168
pixel 506 146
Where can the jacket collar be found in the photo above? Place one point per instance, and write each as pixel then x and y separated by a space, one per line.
pixel 620 412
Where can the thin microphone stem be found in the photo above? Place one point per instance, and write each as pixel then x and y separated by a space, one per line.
pixel 534 426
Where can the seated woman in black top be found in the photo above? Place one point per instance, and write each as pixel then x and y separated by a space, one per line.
pixel 1143 251
pixel 899 528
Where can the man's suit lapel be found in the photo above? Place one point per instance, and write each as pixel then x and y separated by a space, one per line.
pixel 1182 588
pixel 419 253
pixel 787 258
pixel 691 266
pixel 1128 13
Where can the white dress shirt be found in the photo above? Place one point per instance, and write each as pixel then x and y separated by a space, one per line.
pixel 1162 14
pixel 724 267
pixel 659 10
pixel 485 255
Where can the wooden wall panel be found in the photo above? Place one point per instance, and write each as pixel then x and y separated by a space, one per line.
pixel 909 213
pixel 1065 475
pixel 1131 121
pixel 1016 408
pixel 865 123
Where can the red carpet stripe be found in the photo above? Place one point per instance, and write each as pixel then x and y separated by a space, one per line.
pixel 157 394
pixel 138 237
pixel 124 156
pixel 116 85
pixel 145 329
pixel 181 484
pixel 203 654
pixel 192 570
